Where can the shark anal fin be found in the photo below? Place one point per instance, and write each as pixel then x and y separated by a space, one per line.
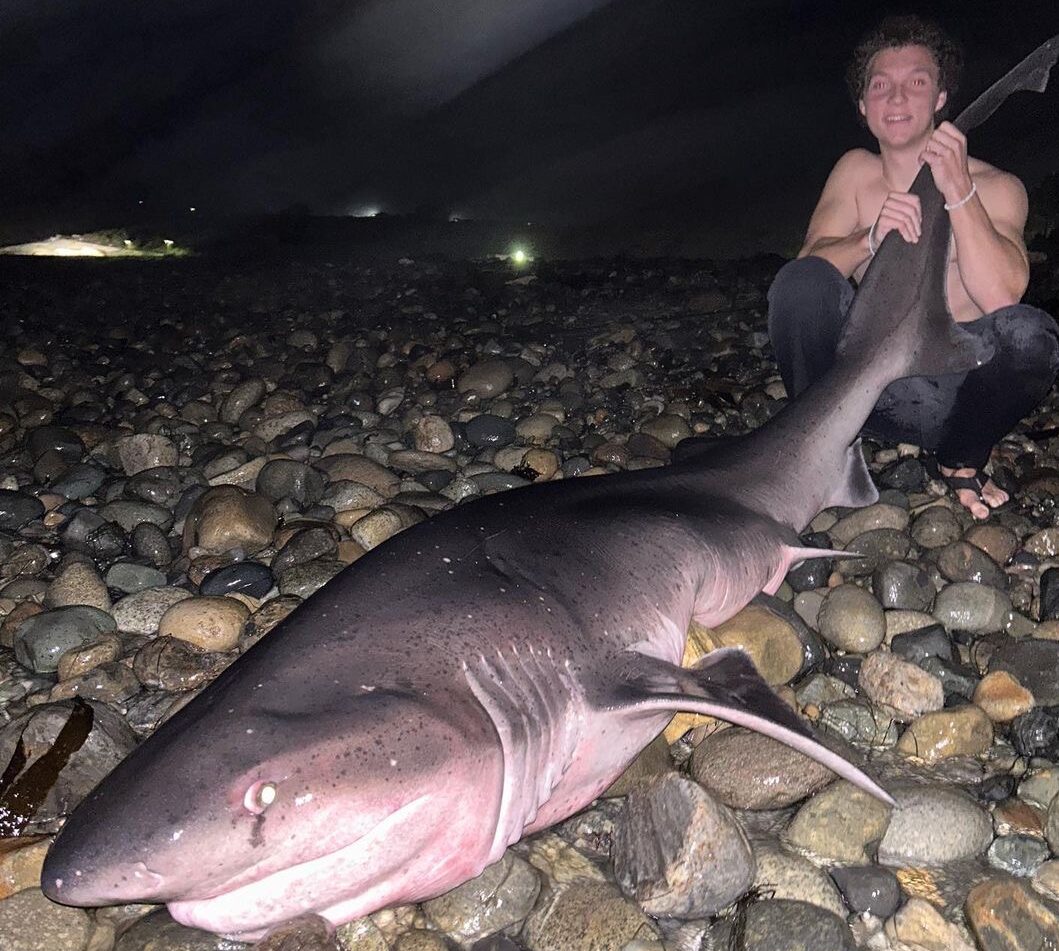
pixel 856 487
pixel 725 684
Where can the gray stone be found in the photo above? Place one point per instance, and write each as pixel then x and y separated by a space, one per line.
pixel 975 608
pixel 42 639
pixel 678 852
pixel 29 922
pixel 934 825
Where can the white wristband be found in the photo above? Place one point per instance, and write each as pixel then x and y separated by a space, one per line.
pixel 963 201
pixel 871 238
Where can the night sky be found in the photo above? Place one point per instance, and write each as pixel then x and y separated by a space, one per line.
pixel 714 117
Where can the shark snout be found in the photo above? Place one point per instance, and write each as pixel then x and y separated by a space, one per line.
pixel 68 882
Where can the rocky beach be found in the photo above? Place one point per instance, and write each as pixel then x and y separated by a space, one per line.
pixel 190 448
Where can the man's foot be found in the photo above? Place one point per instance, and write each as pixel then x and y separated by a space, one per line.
pixel 975 490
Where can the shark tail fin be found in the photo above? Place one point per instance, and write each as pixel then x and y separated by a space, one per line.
pixel 725 684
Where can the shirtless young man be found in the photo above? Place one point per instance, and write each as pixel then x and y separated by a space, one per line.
pixel 902 77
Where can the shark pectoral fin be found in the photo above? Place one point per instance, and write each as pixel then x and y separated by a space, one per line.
pixel 856 487
pixel 726 685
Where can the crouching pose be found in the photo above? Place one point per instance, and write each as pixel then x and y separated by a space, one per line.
pixel 901 77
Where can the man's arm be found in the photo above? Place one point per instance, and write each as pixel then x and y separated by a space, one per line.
pixel 990 249
pixel 834 233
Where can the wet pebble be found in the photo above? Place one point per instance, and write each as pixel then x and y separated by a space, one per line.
pixel 933 825
pixel 41 640
pixel 838 824
pixel 868 888
pixel 903 688
pixel 246 577
pixel 851 619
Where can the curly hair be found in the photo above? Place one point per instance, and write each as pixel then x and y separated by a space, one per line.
pixel 907 30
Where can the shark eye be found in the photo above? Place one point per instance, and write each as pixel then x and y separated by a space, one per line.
pixel 259 797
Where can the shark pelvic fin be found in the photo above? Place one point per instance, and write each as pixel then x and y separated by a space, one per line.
pixel 725 684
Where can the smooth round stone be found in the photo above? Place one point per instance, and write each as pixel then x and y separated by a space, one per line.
pixel 851 620
pixel 747 770
pixel 810 574
pixel 351 467
pixel 129 577
pixel 1018 855
pixel 489 430
pixel 128 514
pixel 916 645
pixel 415 461
pixel 899 585
pixel 1045 543
pixel 1051 824
pixel 544 462
pixel 879 515
pixel 105 649
pixel 860 723
pixel 876 548
pixel 784 875
pixel 304 546
pixel 212 623
pixel 139 613
pixel 770 640
pixel 344 495
pixel 1002 697
pixel 919 925
pixel 838 824
pixel 77 583
pixel 962 561
pixel 276 427
pixel 245 577
pixel 241 398
pixel 305 580
pixel 901 621
pixel 18 509
pixel 146 451
pixel 42 639
pixel 433 434
pixel 487 378
pixel 1034 663
pixel 821 689
pixel 1040 787
pixel 954 731
pixel 1045 879
pixel 678 852
pixel 904 688
pixel 227 517
pixel 488 482
pixel 79 481
pixel 971 607
pixel 289 479
pixel 957 680
pixel 376 527
pixel 30 922
pixel 585 916
pixel 498 898
pixel 667 428
pixel 785 925
pixel 1005 914
pixel 56 439
pixel 936 527
pixel 868 889
pixel 998 541
pixel 151 543
pixel 934 825
pixel 1050 594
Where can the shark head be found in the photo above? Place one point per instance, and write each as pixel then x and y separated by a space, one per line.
pixel 240 817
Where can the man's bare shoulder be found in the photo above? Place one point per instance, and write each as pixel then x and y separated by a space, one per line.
pixel 1002 193
pixel 855 163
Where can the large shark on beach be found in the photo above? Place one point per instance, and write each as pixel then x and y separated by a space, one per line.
pixel 490 671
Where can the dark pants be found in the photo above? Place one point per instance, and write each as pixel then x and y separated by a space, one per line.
pixel 959 416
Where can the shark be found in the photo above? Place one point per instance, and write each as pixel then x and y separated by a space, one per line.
pixel 490 671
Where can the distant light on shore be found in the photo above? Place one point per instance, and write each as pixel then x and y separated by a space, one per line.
pixel 519 256
pixel 368 211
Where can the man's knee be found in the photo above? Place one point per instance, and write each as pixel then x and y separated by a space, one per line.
pixel 805 285
pixel 1028 336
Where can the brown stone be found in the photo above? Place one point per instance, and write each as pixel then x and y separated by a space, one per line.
pixel 1006 916
pixel 1002 697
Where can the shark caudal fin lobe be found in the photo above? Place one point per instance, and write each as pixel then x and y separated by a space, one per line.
pixel 900 316
pixel 725 684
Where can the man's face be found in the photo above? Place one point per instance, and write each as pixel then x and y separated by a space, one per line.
pixel 901 95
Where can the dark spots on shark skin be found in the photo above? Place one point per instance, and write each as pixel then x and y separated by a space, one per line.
pixel 257 838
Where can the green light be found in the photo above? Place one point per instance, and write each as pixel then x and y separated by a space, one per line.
pixel 519 256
